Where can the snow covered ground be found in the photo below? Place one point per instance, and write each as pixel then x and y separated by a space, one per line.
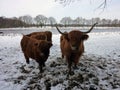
pixel 99 67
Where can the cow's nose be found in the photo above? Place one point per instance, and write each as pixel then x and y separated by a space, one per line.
pixel 73 47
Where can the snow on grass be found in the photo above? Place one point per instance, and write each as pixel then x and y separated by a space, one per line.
pixel 105 44
pixel 99 67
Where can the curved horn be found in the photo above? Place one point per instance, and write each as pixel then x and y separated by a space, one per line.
pixel 59 30
pixel 90 28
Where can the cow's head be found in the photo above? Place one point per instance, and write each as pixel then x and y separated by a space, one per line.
pixel 75 38
pixel 43 45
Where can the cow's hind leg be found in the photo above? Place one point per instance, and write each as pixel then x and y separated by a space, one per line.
pixel 62 56
pixel 27 59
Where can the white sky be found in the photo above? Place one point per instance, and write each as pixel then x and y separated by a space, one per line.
pixel 82 8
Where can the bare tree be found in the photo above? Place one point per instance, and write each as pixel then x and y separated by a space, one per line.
pixel 51 21
pixel 115 22
pixel 40 20
pixel 27 19
pixel 66 21
pixel 94 20
pixel 103 21
pixel 78 20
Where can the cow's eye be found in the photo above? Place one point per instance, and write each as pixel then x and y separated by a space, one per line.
pixel 36 44
pixel 68 39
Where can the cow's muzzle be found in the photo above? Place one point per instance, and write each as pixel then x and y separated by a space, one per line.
pixel 73 47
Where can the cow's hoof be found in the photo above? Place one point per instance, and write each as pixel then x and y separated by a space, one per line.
pixel 41 71
pixel 75 67
pixel 67 76
pixel 71 73
pixel 27 62
pixel 44 65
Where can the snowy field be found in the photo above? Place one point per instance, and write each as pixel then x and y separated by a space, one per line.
pixel 99 67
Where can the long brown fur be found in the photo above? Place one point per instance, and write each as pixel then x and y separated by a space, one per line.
pixel 41 35
pixel 35 49
pixel 72 39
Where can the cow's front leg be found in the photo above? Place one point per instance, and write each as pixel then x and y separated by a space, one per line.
pixel 40 66
pixel 43 64
pixel 77 57
pixel 69 66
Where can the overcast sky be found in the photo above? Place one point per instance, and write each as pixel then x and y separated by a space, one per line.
pixel 82 8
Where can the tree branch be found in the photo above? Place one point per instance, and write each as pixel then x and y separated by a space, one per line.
pixel 67 2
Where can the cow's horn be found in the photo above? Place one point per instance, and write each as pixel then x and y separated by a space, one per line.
pixel 90 28
pixel 59 30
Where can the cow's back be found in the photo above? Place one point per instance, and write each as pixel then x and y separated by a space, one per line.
pixel 49 35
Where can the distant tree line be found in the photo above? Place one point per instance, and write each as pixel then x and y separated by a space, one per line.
pixel 41 20
pixel 10 22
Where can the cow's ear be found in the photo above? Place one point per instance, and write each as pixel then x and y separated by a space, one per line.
pixel 66 37
pixel 85 37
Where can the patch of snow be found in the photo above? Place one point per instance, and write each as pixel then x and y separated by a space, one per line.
pixel 99 67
